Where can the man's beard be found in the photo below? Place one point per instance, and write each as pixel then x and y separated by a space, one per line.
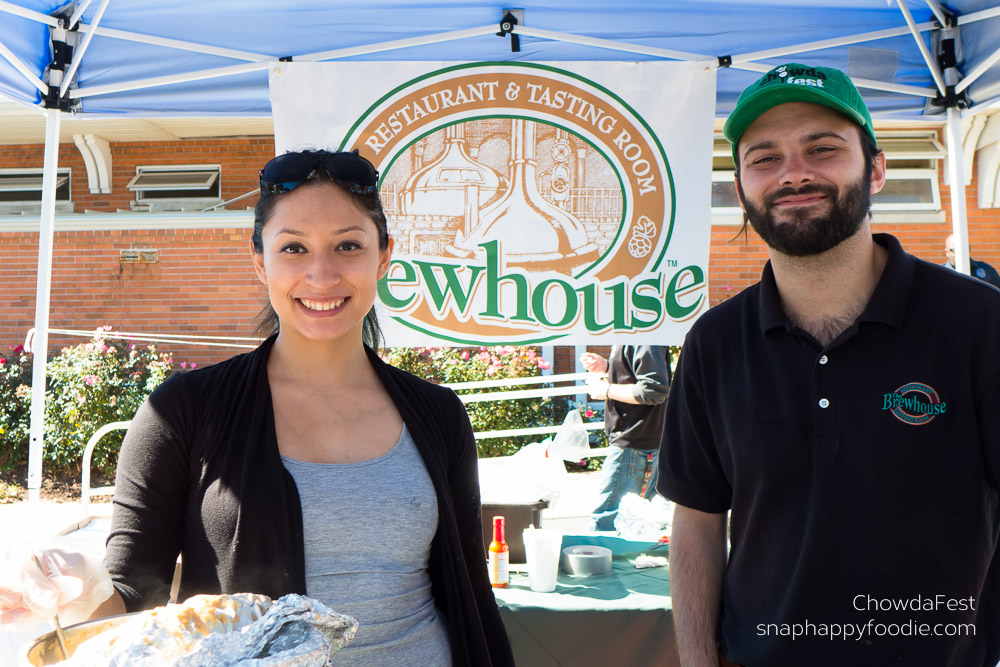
pixel 803 233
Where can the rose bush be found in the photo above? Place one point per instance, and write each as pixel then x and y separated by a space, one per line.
pixel 88 385
pixel 450 365
pixel 15 390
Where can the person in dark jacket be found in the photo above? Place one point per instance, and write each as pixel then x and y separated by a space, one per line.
pixel 308 465
pixel 978 269
pixel 635 394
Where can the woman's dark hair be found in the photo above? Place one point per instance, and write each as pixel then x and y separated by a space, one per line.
pixel 369 204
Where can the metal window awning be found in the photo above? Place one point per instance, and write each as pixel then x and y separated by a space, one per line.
pixel 721 148
pixel 27 182
pixel 173 180
pixel 912 148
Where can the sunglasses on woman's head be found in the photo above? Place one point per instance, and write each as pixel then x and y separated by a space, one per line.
pixel 347 169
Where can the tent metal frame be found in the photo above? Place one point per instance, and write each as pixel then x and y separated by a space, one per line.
pixel 947 84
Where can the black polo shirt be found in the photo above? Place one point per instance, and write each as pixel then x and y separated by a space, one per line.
pixel 861 477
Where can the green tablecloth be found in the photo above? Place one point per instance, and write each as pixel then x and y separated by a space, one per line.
pixel 618 619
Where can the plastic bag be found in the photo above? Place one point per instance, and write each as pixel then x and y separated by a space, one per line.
pixel 641 519
pixel 528 476
pixel 539 473
pixel 571 442
pixel 36 585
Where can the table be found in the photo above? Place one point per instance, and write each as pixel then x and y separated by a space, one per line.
pixel 622 618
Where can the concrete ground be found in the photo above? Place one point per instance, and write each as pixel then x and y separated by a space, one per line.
pixel 43 523
pixel 570 512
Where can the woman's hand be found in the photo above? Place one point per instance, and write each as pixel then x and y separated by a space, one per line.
pixel 36 586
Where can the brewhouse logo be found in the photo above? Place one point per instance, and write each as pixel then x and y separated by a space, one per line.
pixel 527 204
pixel 914 403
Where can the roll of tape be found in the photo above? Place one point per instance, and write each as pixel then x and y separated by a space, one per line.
pixel 584 560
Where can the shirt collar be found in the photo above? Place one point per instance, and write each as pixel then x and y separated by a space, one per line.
pixel 887 303
pixel 892 294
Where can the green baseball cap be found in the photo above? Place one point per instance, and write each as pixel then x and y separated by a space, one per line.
pixel 797 83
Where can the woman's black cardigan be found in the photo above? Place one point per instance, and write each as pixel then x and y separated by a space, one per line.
pixel 200 475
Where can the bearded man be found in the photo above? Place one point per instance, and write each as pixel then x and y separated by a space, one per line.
pixel 843 411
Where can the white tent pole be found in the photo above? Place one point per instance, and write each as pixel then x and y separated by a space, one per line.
pixel 894 87
pixel 981 15
pixel 860 83
pixel 17 10
pixel 936 8
pixel 255 66
pixel 932 65
pixel 77 93
pixel 987 106
pixel 127 36
pixel 959 220
pixel 612 44
pixel 82 49
pixel 423 40
pixel 827 43
pixel 25 71
pixel 46 234
pixel 80 9
pixel 978 71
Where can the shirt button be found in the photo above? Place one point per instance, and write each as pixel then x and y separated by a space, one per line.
pixel 823 360
pixel 823 403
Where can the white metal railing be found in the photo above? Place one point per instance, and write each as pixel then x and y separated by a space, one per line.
pixel 88 452
pixel 570 390
pixel 541 392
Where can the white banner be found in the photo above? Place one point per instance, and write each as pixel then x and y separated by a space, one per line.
pixel 530 203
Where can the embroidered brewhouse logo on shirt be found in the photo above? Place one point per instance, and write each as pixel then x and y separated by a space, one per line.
pixel 914 403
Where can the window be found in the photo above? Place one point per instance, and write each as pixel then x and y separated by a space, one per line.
pixel 173 188
pixel 911 182
pixel 911 173
pixel 21 191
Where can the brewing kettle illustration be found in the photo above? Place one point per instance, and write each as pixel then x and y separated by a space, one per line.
pixel 534 234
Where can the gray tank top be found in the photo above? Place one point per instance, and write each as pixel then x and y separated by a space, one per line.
pixel 367 529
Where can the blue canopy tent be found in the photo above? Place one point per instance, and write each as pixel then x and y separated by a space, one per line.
pixel 912 59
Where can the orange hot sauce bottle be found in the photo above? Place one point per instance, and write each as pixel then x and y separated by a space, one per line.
pixel 498 556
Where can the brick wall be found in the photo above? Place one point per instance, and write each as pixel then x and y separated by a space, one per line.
pixel 240 160
pixel 204 282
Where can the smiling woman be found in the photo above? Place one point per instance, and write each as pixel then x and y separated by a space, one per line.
pixel 310 466
pixel 320 256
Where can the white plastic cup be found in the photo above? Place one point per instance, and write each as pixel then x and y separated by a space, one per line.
pixel 541 551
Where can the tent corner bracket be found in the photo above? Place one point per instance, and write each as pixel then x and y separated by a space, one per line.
pixel 507 24
pixel 62 56
pixel 951 99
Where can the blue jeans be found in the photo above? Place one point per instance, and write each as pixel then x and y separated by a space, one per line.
pixel 623 472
